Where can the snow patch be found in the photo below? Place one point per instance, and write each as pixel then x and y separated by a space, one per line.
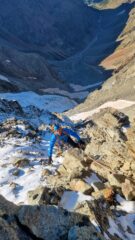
pixel 121 13
pixel 115 230
pixel 3 78
pixel 127 206
pixel 74 95
pixel 92 179
pixel 78 88
pixel 119 104
pixel 71 199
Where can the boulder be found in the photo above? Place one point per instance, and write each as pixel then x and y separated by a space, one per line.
pixel 107 194
pixel 6 207
pixel 116 180
pixel 96 211
pixel 100 169
pixel 7 232
pixel 98 186
pixel 92 148
pixel 128 190
pixel 45 173
pixel 133 166
pixel 80 186
pixel 126 166
pixel 24 162
pixel 49 222
pixel 60 181
pixel 73 164
pixel 121 118
pixel 45 195
pixel 9 228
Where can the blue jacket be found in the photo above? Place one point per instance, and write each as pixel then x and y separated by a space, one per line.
pixel 61 138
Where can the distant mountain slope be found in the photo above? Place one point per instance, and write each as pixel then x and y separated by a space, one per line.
pixel 53 44
pixel 122 62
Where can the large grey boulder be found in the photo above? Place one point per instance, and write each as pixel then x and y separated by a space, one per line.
pixel 73 164
pixel 49 222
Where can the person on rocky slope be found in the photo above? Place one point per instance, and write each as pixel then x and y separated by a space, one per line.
pixel 62 136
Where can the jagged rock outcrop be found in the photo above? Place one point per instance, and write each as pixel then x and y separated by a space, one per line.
pixel 10 107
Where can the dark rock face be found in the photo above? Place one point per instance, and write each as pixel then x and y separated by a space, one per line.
pixel 50 44
pixel 10 107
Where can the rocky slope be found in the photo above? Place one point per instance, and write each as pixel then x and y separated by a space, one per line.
pixel 85 194
pixel 38 222
pixel 122 62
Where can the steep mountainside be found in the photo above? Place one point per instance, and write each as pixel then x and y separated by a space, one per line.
pixel 122 62
pixel 49 45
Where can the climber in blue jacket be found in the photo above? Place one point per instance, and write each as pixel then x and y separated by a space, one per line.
pixel 61 136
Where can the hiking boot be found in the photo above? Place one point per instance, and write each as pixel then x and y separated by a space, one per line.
pixel 50 161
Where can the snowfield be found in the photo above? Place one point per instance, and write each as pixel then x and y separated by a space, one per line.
pixel 52 103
